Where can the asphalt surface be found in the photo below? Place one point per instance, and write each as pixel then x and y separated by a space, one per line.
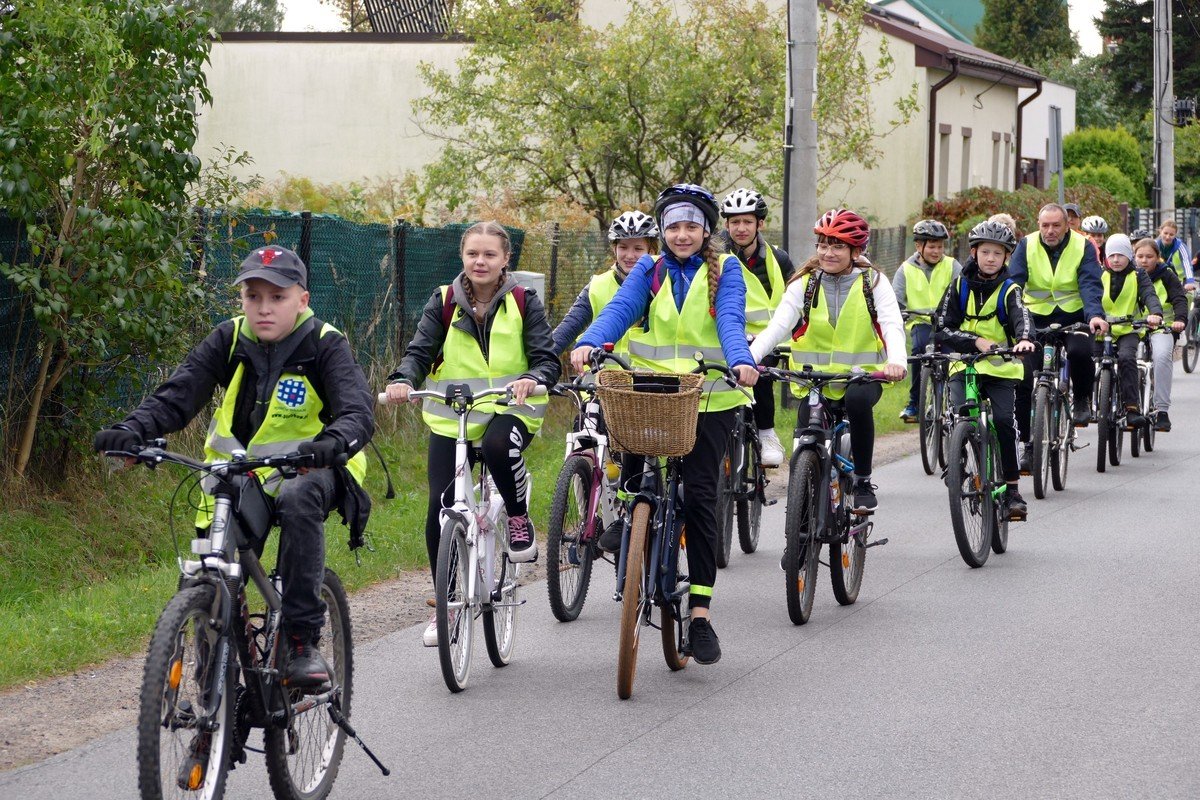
pixel 1068 667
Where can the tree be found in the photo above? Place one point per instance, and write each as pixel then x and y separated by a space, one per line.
pixel 1028 31
pixel 1096 104
pixel 1107 177
pixel 1130 26
pixel 97 119
pixel 1096 150
pixel 239 15
pixel 544 106
pixel 353 14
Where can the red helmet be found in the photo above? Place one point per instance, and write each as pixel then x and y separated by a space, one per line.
pixel 845 226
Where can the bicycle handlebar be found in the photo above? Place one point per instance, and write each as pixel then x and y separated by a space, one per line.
pixel 814 378
pixel 453 393
pixel 727 374
pixel 154 453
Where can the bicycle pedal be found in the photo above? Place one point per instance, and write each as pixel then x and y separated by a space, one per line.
pixel 876 543
pixel 770 502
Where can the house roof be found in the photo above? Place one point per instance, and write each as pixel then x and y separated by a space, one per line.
pixel 956 17
pixel 938 50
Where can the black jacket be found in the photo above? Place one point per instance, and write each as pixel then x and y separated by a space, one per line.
pixel 952 314
pixel 757 264
pixel 426 346
pixel 1176 295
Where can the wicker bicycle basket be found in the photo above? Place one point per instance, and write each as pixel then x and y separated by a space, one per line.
pixel 654 416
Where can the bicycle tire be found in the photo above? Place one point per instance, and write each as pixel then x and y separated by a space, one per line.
pixel 1064 440
pixel 1191 342
pixel 1104 420
pixel 631 600
pixel 568 559
pixel 500 622
pixel 454 614
pixel 846 560
pixel 1135 441
pixel 749 509
pixel 1148 430
pixel 928 423
pixel 1000 531
pixel 802 546
pixel 671 623
pixel 725 509
pixel 969 496
pixel 1041 442
pixel 162 748
pixel 303 759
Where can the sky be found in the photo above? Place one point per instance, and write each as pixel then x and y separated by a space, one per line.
pixel 311 15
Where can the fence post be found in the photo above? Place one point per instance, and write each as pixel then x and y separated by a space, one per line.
pixel 199 246
pixel 398 236
pixel 305 251
pixel 1123 212
pixel 552 284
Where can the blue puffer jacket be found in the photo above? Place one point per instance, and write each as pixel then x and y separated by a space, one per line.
pixel 629 305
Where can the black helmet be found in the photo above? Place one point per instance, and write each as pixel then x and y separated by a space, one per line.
pixel 698 196
pixel 929 230
pixel 995 232
pixel 744 201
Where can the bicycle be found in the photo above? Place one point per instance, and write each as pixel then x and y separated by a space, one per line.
pixel 585 497
pixel 975 476
pixel 1145 398
pixel 654 415
pixel 820 468
pixel 741 488
pixel 1191 339
pixel 1110 411
pixel 214 669
pixel 934 420
pixel 473 576
pixel 1053 435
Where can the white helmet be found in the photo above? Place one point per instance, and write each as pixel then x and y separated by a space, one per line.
pixel 1094 224
pixel 744 201
pixel 632 225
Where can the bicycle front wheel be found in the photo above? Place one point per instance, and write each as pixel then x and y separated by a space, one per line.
pixel 802 545
pixel 1042 441
pixel 454 615
pixel 672 618
pixel 995 469
pixel 500 618
pixel 569 558
pixel 749 509
pixel 726 481
pixel 847 559
pixel 304 756
pixel 969 495
pixel 1191 342
pixel 929 424
pixel 632 600
pixel 1064 440
pixel 184 730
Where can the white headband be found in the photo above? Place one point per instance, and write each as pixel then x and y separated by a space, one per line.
pixel 683 212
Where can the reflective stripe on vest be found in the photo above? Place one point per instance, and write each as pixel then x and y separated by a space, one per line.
pixel 602 289
pixel 674 336
pixel 853 343
pixel 928 291
pixel 1176 262
pixel 463 362
pixel 759 304
pixel 991 329
pixel 1160 289
pixel 1126 304
pixel 1047 287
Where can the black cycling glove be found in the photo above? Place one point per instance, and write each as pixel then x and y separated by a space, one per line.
pixel 114 438
pixel 325 451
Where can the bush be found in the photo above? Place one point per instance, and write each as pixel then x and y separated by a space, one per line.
pixel 1113 147
pixel 1108 177
pixel 1023 204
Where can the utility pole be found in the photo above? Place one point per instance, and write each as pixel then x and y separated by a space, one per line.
pixel 800 135
pixel 1164 112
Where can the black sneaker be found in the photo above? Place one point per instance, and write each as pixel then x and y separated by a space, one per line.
pixel 1081 413
pixel 1025 459
pixel 610 539
pixel 306 667
pixel 1018 509
pixel 192 771
pixel 1134 419
pixel 864 496
pixel 703 644
pixel 1162 422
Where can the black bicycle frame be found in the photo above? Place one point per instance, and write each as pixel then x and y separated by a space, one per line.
pixel 664 516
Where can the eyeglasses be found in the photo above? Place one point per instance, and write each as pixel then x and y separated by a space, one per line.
pixel 836 247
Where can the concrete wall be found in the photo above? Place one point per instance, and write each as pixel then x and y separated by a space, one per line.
pixel 1036 132
pixel 989 149
pixel 330 111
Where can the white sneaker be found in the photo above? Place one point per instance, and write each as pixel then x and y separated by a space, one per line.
pixel 772 449
pixel 429 637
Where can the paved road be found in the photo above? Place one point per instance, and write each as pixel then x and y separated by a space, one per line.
pixel 1068 667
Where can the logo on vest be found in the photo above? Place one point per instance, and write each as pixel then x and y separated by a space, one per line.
pixel 291 393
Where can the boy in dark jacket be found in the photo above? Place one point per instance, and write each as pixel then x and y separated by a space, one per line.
pixel 982 309
pixel 290 379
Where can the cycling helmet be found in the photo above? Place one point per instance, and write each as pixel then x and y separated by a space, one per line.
pixel 1094 224
pixel 1141 233
pixel 995 232
pixel 632 225
pixel 929 230
pixel 845 226
pixel 744 201
pixel 692 193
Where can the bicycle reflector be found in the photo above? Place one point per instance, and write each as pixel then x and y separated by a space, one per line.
pixel 608 347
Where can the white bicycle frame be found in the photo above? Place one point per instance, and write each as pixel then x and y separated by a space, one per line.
pixel 608 505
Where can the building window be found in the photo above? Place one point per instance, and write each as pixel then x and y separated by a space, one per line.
pixel 965 180
pixel 997 175
pixel 943 165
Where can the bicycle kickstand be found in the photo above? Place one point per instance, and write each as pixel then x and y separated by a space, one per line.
pixel 335 712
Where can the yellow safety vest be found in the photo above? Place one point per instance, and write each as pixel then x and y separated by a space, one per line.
pixel 1047 287
pixel 924 293
pixel 673 337
pixel 1126 303
pixel 463 361
pixel 602 289
pixel 985 322
pixel 759 304
pixel 1176 263
pixel 1160 289
pixel 853 343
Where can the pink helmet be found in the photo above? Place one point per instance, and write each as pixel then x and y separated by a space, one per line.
pixel 845 226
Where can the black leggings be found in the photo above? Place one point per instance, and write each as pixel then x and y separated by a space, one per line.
pixel 505 438
pixel 859 403
pixel 1002 393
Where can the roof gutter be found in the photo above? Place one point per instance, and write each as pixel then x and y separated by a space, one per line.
pixel 1020 132
pixel 932 137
